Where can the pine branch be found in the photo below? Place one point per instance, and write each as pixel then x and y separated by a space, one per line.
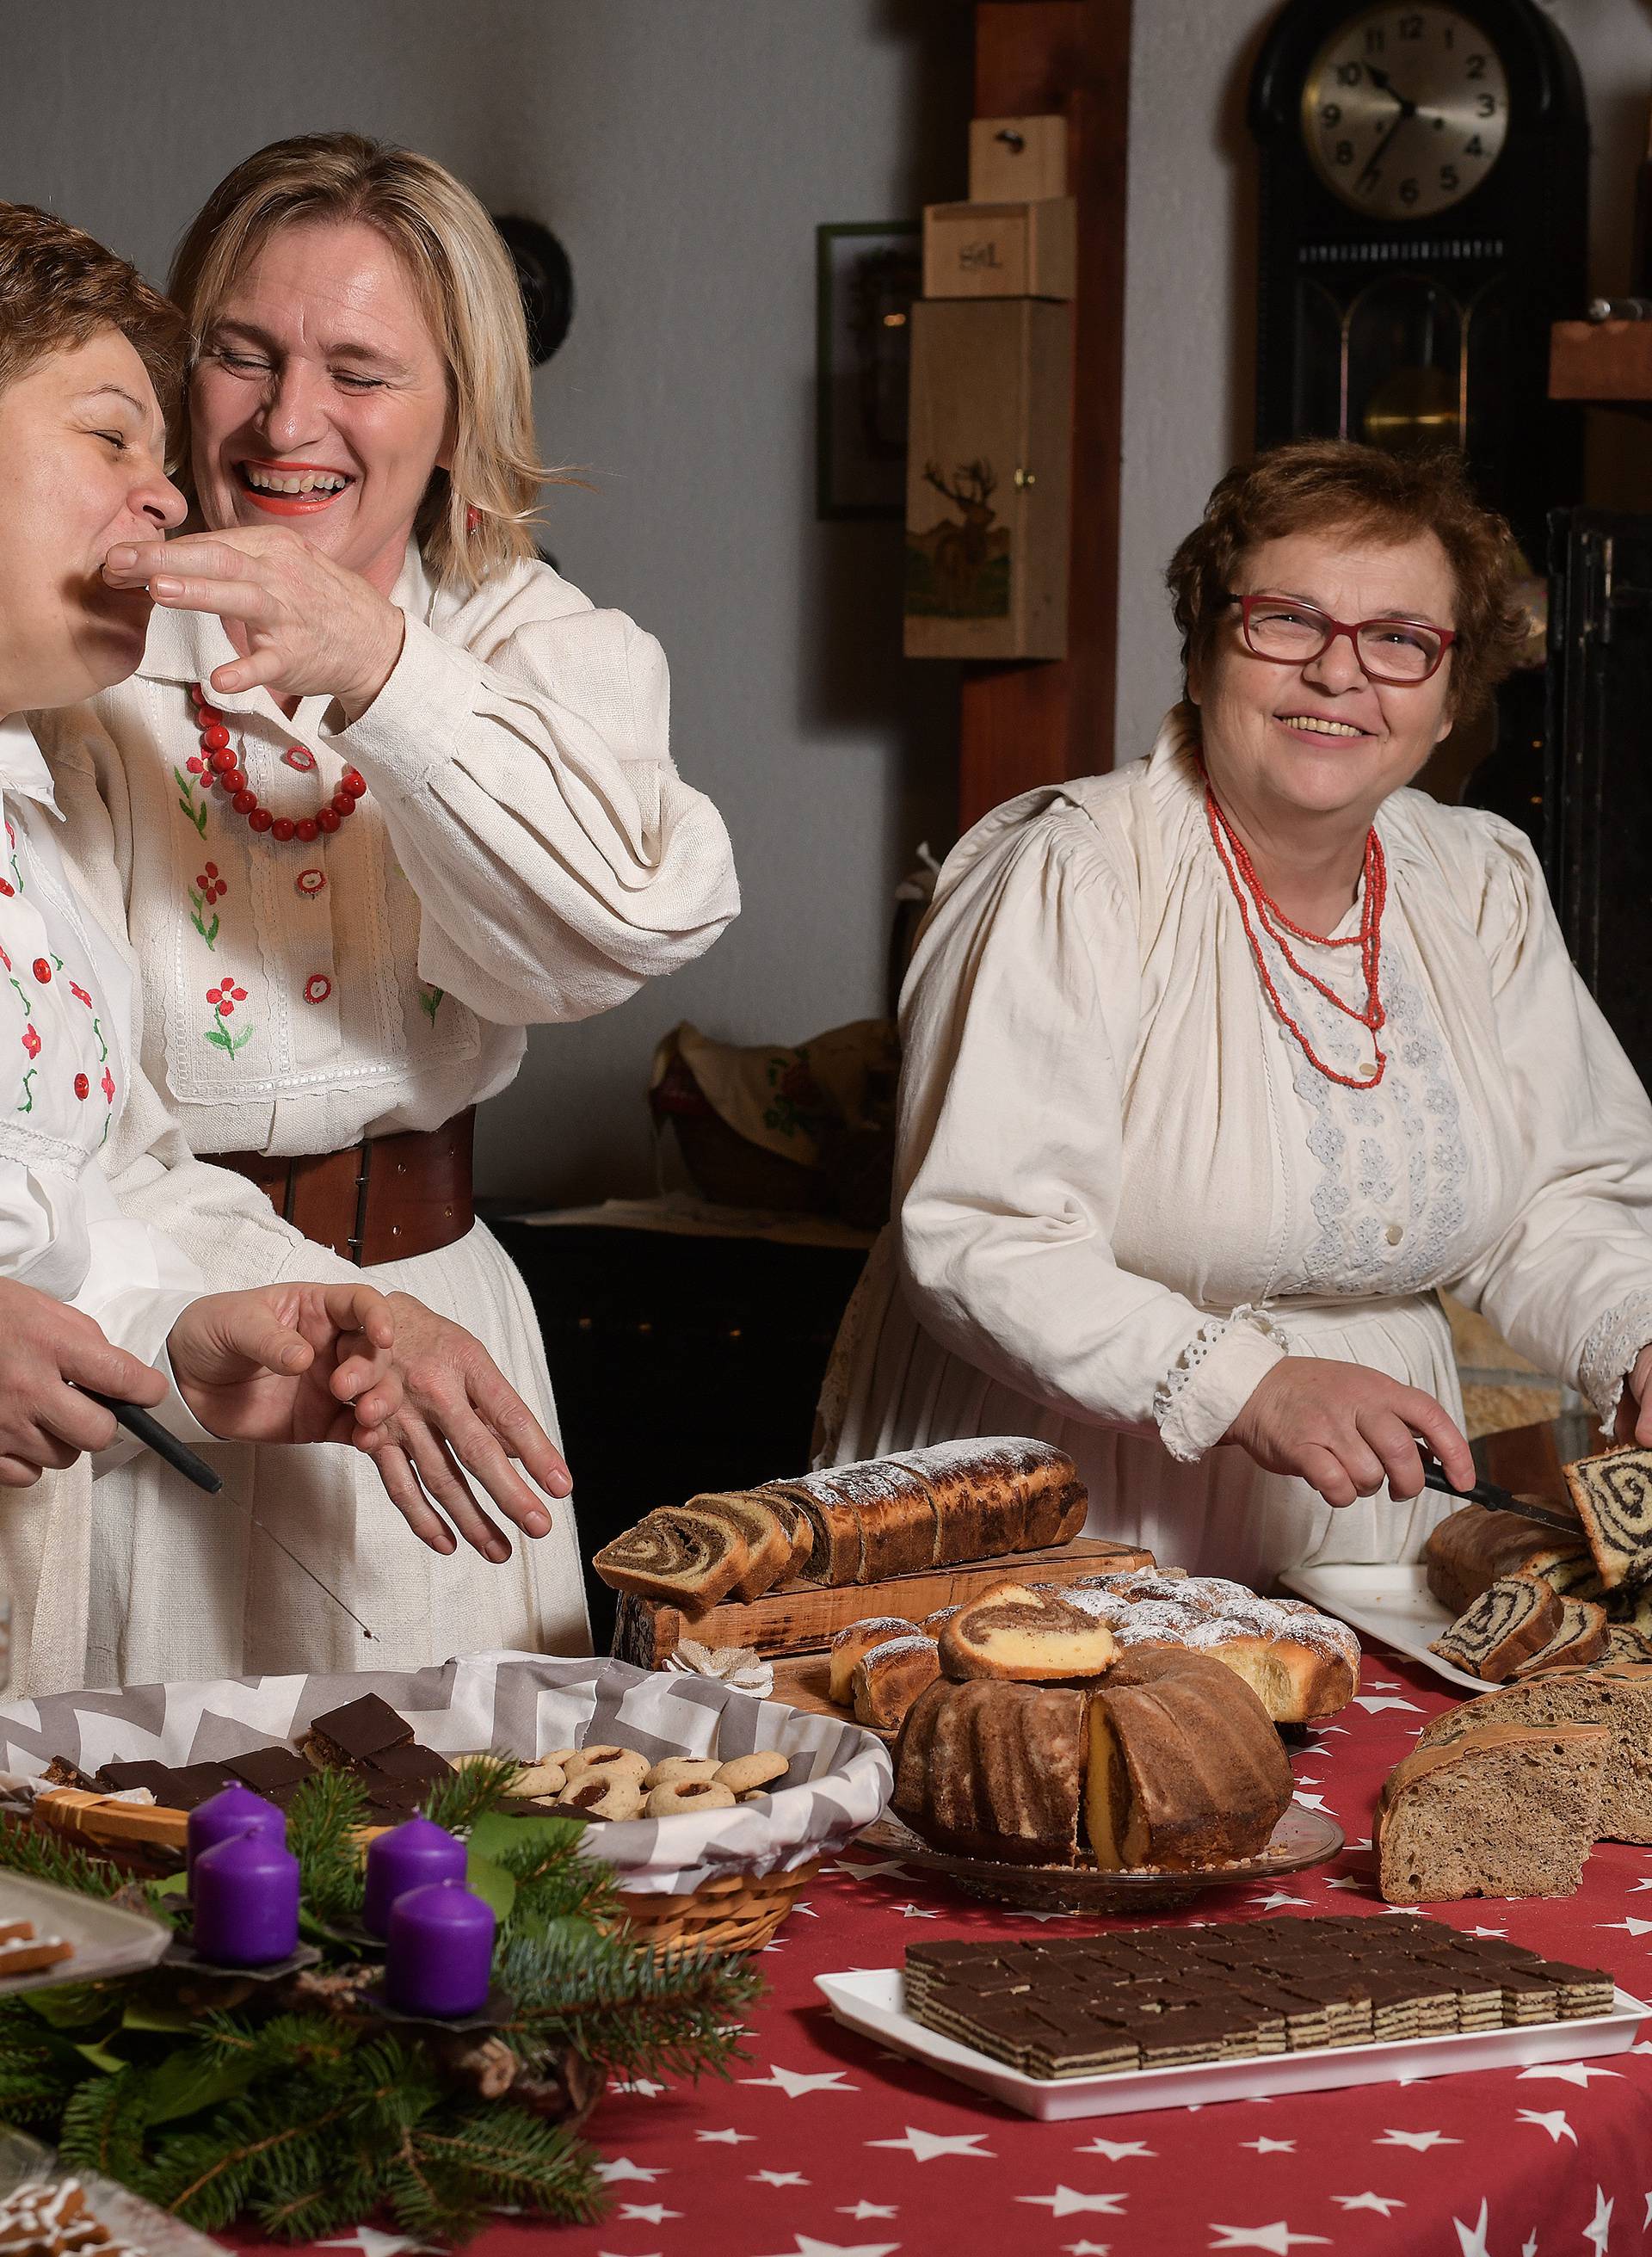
pixel 322 1821
pixel 43 1856
pixel 103 2126
pixel 445 2179
pixel 624 2008
pixel 553 1882
pixel 473 1790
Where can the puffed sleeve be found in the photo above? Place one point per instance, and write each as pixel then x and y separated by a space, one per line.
pixel 1018 1021
pixel 559 858
pixel 1569 1281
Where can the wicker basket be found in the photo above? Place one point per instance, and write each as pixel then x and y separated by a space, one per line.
pixel 735 1913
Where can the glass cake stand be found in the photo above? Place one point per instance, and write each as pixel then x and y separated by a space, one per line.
pixel 1303 1837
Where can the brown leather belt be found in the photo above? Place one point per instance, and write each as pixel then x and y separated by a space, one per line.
pixel 384 1200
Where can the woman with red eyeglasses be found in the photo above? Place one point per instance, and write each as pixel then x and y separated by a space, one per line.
pixel 1219 1067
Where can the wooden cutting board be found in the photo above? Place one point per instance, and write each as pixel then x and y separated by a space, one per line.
pixel 807 1618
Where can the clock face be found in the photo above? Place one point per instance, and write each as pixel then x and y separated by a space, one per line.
pixel 1405 110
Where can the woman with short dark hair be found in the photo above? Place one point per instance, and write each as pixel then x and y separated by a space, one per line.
pixel 1219 1067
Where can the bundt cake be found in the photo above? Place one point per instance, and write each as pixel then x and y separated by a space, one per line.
pixel 1169 1761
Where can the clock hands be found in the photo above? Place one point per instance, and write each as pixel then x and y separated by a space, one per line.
pixel 1371 171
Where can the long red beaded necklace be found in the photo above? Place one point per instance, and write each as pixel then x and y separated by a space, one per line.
pixel 1248 892
pixel 217 765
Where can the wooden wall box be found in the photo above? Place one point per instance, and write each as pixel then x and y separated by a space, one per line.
pixel 1017 158
pixel 989 478
pixel 1001 251
pixel 1607 362
pixel 806 1616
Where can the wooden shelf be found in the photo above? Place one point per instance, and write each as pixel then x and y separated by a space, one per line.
pixel 1603 363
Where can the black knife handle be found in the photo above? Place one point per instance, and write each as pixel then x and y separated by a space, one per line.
pixel 153 1436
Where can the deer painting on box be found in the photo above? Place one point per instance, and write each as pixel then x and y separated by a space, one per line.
pixel 958 568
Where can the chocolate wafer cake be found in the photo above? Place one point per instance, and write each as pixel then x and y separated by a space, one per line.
pixel 1094 2005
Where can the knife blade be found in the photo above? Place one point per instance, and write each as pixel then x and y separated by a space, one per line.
pixel 149 1431
pixel 1501 1500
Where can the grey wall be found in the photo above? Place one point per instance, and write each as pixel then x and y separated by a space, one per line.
pixel 685 153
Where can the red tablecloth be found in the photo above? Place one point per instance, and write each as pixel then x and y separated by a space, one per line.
pixel 825 2145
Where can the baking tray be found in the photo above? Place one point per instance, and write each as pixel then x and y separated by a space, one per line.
pixel 108 1939
pixel 869 2000
pixel 1392 1604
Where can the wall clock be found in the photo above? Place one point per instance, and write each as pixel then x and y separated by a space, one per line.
pixel 1423 219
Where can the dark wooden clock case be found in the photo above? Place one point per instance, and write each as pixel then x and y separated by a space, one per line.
pixel 1349 304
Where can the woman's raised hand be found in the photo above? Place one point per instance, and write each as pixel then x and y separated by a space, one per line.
pixel 1634 1422
pixel 461 1414
pixel 48 1353
pixel 288 1363
pixel 304 625
pixel 1346 1430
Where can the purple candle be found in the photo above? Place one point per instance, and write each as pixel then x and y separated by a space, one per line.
pixel 237 1811
pixel 411 1856
pixel 245 1892
pixel 440 1955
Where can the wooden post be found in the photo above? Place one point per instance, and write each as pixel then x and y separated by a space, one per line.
pixel 1038 721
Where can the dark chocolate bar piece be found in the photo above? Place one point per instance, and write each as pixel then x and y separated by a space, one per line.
pixel 350 1736
pixel 411 1766
pixel 266 1769
pixel 142 1771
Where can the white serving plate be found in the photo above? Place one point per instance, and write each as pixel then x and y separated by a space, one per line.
pixel 1392 1604
pixel 108 1939
pixel 869 2000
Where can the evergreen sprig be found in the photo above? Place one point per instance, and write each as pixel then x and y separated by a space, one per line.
pixel 45 1857
pixel 473 1789
pixel 623 2006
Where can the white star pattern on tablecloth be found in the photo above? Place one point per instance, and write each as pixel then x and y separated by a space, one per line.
pixel 1630 1926
pixel 1568 2072
pixel 645 2085
pixel 1373 1703
pixel 1310 1801
pixel 1647 2220
pixel 862 2211
pixel 650 2213
pixel 1115 2150
pixel 1278 2238
pixel 1066 2202
pixel 729 2139
pixel 614 2253
pixel 370 2242
pixel 1088 2248
pixel 794 2084
pixel 1277 1897
pixel 1488 1931
pixel 1271 2147
pixel 807 2247
pixel 1471 2239
pixel 1421 2141
pixel 915 1912
pixel 1348 1881
pixel 924 2147
pixel 1599 2230
pixel 1645 1882
pixel 1554 2122
pixel 1380 2203
pixel 621 2166
pixel 1008 1914
pixel 1404 1909
pixel 777 2178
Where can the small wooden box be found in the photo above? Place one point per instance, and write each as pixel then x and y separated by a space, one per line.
pixel 1609 362
pixel 1001 251
pixel 1017 158
pixel 989 478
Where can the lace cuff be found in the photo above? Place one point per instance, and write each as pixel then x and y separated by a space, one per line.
pixel 1609 1354
pixel 1199 1397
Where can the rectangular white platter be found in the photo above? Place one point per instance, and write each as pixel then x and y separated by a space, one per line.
pixel 1392 1604
pixel 869 2000
pixel 108 1939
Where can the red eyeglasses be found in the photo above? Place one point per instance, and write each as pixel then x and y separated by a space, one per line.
pixel 1398 652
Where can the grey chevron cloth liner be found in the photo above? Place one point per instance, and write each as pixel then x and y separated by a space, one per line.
pixel 519 1704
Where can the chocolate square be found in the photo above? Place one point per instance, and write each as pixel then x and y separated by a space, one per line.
pixel 410 1767
pixel 266 1769
pixel 193 1784
pixel 142 1771
pixel 361 1728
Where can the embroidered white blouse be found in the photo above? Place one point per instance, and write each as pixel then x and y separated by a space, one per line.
pixel 1123 1193
pixel 526 853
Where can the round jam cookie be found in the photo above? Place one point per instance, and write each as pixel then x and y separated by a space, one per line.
pixel 561 1756
pixel 671 1770
pixel 746 1775
pixel 535 1779
pixel 602 1794
pixel 624 1763
pixel 685 1795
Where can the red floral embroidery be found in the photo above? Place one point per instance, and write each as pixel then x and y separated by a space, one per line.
pixel 213 888
pixel 296 757
pixel 30 1041
pixel 224 997
pixel 83 1087
pixel 108 1084
pixel 76 990
pixel 42 971
pixel 317 988
pixel 309 882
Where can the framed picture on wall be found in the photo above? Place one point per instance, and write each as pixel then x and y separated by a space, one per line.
pixel 867 277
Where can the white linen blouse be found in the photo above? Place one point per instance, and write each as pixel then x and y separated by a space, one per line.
pixel 1123 1193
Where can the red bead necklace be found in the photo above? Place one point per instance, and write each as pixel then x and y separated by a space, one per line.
pixel 1248 892
pixel 217 765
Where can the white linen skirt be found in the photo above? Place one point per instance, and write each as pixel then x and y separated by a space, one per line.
pixel 184 1586
pixel 893 1387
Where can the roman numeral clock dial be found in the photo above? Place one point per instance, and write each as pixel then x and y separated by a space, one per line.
pixel 1405 110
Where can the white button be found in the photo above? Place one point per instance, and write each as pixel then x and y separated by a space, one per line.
pixel 1395 1233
